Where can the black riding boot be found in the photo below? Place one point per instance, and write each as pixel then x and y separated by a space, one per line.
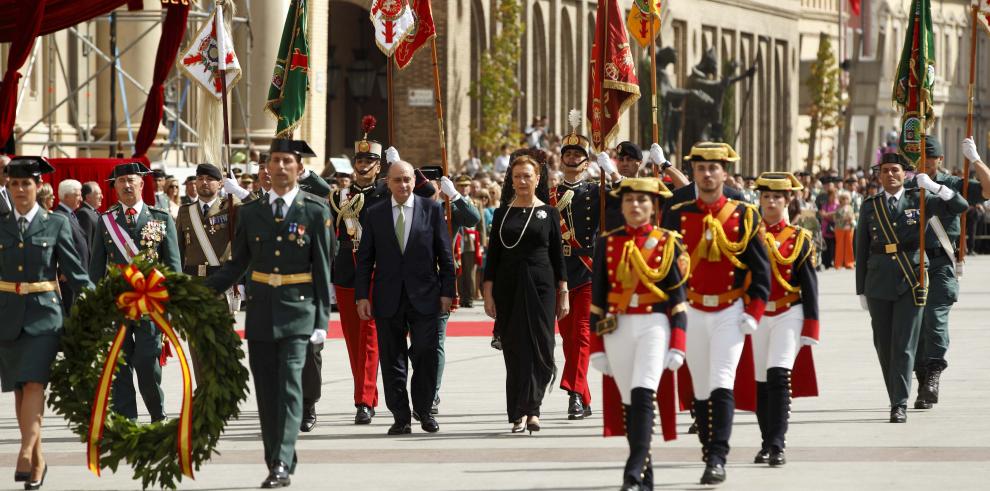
pixel 924 400
pixel 779 411
pixel 721 411
pixel 640 420
pixel 703 424
pixel 761 417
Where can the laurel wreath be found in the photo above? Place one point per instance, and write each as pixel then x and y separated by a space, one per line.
pixel 201 318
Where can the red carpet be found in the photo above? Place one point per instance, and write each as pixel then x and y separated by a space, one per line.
pixel 454 329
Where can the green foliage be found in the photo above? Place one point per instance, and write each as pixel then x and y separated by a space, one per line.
pixel 201 318
pixel 827 101
pixel 729 105
pixel 497 87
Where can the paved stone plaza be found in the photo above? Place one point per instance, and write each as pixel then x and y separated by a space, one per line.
pixel 840 440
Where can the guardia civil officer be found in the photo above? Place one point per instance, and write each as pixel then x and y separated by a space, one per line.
pixel 286 241
pixel 887 282
pixel 34 246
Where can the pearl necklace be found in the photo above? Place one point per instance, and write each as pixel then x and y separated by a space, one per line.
pixel 501 237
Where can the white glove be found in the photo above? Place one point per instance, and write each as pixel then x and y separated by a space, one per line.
pixel 304 175
pixel 391 155
pixel 656 154
pixel 806 341
pixel 863 303
pixel 232 188
pixel 748 324
pixel 674 360
pixel 344 193
pixel 448 189
pixel 600 362
pixel 926 183
pixel 969 150
pixel 605 163
pixel 318 337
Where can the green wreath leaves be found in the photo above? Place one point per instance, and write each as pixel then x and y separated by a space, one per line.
pixel 201 318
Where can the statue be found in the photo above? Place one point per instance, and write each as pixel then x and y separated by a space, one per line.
pixel 704 121
pixel 673 101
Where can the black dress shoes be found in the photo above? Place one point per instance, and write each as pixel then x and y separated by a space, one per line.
pixel 278 476
pixel 435 409
pixel 308 419
pixel 430 425
pixel 364 415
pixel 575 409
pixel 714 474
pixel 587 411
pixel 898 414
pixel 398 428
pixel 762 457
pixel 631 486
pixel 777 458
pixel 921 403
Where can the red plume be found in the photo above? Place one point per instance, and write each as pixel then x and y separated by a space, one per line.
pixel 368 124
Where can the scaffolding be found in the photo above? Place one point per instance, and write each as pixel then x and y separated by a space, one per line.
pixel 181 145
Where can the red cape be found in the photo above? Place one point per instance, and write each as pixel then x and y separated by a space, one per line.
pixel 612 414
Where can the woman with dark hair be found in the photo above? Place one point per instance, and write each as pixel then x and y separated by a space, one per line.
pixel 34 245
pixel 525 288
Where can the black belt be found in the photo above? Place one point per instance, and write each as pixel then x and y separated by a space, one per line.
pixel 894 248
pixel 935 252
pixel 194 270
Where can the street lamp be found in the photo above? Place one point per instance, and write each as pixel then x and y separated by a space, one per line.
pixel 361 76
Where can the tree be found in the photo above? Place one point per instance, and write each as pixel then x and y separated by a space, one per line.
pixel 826 98
pixel 497 87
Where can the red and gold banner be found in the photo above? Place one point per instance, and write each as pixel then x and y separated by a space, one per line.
pixel 146 299
pixel 422 31
pixel 613 85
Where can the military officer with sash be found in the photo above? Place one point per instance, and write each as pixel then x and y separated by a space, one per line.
pixel 941 247
pixel 35 246
pixel 638 317
pixel 887 258
pixel 129 228
pixel 727 293
pixel 286 242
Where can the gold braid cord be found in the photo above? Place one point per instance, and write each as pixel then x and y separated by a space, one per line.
pixel 633 261
pixel 715 243
pixel 776 259
pixel 350 209
pixel 565 200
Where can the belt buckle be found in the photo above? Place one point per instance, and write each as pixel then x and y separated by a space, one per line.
pixel 709 300
pixel 634 300
pixel 567 249
pixel 771 306
pixel 17 288
pixel 275 280
pixel 201 270
pixel 890 248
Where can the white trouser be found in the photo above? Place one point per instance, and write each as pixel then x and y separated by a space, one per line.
pixel 777 341
pixel 714 345
pixel 636 350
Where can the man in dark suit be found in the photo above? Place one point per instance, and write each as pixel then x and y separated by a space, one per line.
pixel 406 244
pixel 88 212
pixel 69 197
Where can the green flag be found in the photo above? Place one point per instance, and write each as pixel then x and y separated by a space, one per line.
pixel 290 80
pixel 915 80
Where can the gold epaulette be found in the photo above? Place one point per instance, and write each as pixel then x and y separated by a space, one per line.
pixel 614 230
pixel 681 205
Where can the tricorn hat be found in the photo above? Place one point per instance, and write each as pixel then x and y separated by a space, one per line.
pixel 298 147
pixel 366 148
pixel 778 181
pixel 647 185
pixel 893 158
pixel 712 152
pixel 575 140
pixel 128 169
pixel 21 167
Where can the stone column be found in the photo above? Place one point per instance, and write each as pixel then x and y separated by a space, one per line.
pixel 267 19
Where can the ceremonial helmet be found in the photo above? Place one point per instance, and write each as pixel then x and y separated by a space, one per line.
pixel 778 181
pixel 575 140
pixel 646 185
pixel 712 152
pixel 366 148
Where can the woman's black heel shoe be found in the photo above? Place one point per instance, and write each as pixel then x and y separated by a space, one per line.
pixel 532 426
pixel 37 484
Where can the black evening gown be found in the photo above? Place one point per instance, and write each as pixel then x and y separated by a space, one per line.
pixel 525 279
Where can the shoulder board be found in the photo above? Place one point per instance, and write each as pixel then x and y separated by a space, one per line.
pixel 614 230
pixel 187 205
pixel 113 209
pixel 671 234
pixel 160 211
pixel 314 199
pixel 681 205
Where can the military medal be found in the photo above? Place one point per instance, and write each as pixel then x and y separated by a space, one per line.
pixel 292 237
pixel 302 231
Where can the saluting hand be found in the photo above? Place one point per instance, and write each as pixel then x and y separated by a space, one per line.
pixel 364 309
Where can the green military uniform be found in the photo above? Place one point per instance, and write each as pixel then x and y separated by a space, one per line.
pixel 887 257
pixel 143 343
pixel 288 297
pixel 29 300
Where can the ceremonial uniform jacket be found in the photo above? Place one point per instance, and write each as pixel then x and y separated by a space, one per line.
pixel 217 227
pixel 36 256
pixel 301 244
pixel 794 281
pixel 950 221
pixel 887 241
pixel 579 222
pixel 359 199
pixel 726 263
pixel 164 249
pixel 618 289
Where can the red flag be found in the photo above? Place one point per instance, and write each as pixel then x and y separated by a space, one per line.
pixel 421 32
pixel 613 85
pixel 855 6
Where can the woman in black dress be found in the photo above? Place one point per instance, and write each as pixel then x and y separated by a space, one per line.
pixel 525 288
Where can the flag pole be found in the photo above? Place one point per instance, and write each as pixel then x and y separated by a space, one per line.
pixel 969 128
pixel 225 151
pixel 438 104
pixel 391 101
pixel 653 78
pixel 922 113
pixel 600 45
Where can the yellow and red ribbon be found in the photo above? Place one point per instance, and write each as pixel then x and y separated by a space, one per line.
pixel 146 299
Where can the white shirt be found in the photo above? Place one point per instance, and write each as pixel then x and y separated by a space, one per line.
pixel 501 163
pixel 137 207
pixel 897 196
pixel 29 216
pixel 407 215
pixel 288 197
pixel 200 203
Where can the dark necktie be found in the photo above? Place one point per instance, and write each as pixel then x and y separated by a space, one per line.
pixel 22 222
pixel 892 204
pixel 206 210
pixel 279 209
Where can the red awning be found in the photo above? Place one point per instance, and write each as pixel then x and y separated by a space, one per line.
pixel 59 14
